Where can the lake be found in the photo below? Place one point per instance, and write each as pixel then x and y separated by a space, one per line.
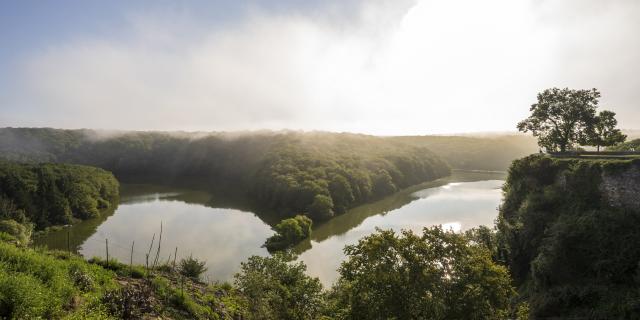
pixel 225 237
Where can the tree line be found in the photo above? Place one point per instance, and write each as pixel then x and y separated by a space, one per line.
pixel 318 174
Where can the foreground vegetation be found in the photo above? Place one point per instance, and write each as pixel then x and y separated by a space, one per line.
pixel 52 194
pixel 437 275
pixel 571 252
pixel 319 174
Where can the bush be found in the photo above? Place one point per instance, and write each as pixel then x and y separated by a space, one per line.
pixel 277 289
pixel 289 232
pixel 192 267
pixel 126 303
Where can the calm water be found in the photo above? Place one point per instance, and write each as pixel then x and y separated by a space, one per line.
pixel 225 237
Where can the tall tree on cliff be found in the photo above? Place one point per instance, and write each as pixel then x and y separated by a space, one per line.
pixel 561 117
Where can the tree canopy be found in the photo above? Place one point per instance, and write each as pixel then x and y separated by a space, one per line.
pixel 436 275
pixel 602 132
pixel 285 172
pixel 562 118
pixel 289 232
pixel 278 289
pixel 54 194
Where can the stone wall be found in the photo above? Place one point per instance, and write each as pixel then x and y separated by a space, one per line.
pixel 622 188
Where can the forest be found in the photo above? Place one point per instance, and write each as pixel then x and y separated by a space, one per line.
pixel 319 174
pixel 53 194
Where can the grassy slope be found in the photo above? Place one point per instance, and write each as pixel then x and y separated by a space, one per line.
pixel 36 283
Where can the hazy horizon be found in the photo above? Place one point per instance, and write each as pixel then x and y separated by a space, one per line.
pixel 383 67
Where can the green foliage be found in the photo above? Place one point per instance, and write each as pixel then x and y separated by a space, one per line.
pixel 289 232
pixel 486 237
pixel 53 194
pixel 438 275
pixel 602 132
pixel 36 284
pixel 277 289
pixel 24 297
pixel 192 268
pixel 321 208
pixel 560 117
pixel 21 233
pixel 571 253
pixel 281 171
pixel 121 269
pixel 43 284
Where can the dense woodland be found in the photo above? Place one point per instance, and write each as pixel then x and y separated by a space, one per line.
pixel 319 174
pixel 53 194
pixel 569 251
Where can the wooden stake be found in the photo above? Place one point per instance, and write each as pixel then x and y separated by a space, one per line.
pixel 155 261
pixel 106 242
pixel 174 259
pixel 68 246
pixel 150 247
pixel 131 259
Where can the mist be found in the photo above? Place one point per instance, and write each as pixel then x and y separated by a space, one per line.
pixel 384 67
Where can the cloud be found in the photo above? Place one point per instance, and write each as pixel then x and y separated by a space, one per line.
pixel 388 67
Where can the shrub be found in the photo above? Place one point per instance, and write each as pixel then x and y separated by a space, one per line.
pixel 192 267
pixel 126 303
pixel 289 232
pixel 277 289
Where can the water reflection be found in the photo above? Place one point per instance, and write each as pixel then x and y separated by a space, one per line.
pixel 454 205
pixel 221 236
pixel 208 226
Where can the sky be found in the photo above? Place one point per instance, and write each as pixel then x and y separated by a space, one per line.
pixel 387 67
